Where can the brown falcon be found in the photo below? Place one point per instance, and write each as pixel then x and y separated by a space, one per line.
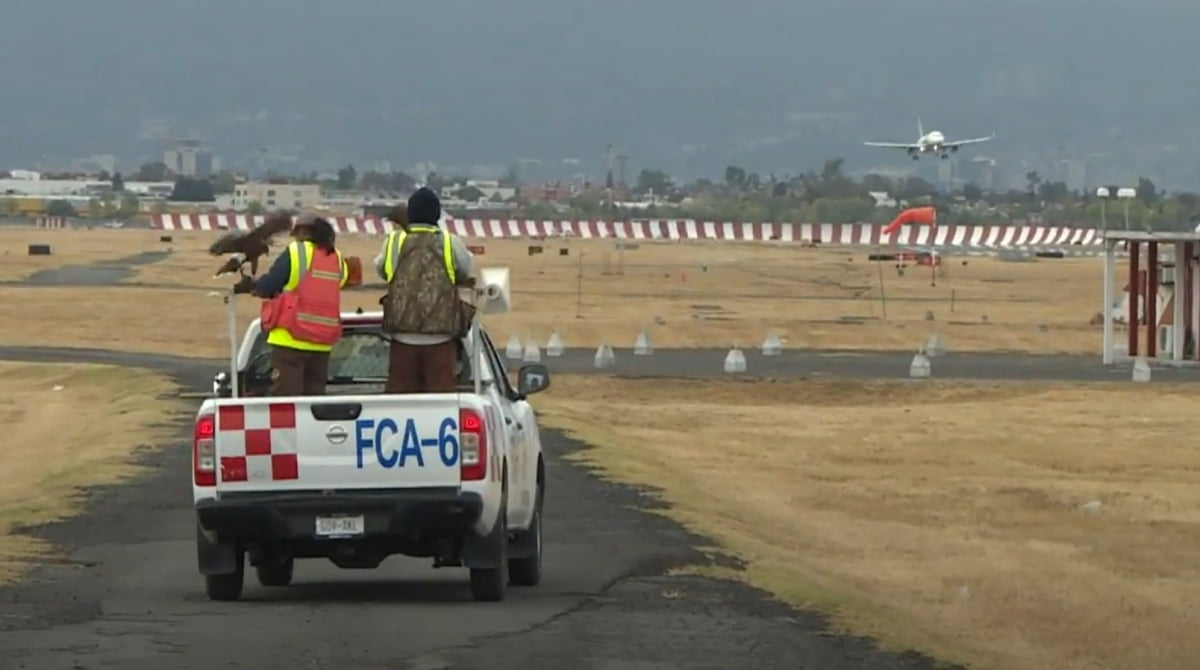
pixel 250 245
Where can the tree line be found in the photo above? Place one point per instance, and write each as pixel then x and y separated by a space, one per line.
pixel 827 195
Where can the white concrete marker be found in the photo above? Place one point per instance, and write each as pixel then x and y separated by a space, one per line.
pixel 920 368
pixel 735 361
pixel 772 345
pixel 642 347
pixel 1141 370
pixel 554 346
pixel 531 353
pixel 514 349
pixel 933 347
pixel 604 357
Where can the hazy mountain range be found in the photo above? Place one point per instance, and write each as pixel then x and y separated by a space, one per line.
pixel 684 85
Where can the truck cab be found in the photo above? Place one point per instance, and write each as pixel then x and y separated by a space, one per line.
pixel 356 475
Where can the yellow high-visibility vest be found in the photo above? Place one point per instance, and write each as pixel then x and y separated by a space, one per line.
pixel 298 254
pixel 396 240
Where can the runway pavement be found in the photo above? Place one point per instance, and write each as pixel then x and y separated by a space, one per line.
pixel 127 594
pixel 701 363
pixel 101 273
pixel 858 364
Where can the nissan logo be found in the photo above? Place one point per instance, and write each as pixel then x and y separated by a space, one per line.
pixel 336 434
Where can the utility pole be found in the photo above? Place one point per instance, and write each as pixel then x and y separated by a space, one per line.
pixel 1106 193
pixel 608 181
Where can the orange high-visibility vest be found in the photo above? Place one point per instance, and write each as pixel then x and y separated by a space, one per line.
pixel 307 315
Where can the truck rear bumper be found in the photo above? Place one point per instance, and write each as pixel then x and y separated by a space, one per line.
pixel 293 516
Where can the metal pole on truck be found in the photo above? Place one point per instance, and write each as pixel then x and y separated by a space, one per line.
pixel 231 319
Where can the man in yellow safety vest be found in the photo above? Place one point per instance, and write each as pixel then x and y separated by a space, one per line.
pixel 423 265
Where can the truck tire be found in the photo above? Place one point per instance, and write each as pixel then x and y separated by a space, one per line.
pixel 226 587
pixel 527 571
pixel 278 573
pixel 490 584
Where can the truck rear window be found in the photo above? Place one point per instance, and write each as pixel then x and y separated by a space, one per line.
pixel 361 356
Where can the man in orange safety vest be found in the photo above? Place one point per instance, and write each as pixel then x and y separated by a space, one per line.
pixel 301 310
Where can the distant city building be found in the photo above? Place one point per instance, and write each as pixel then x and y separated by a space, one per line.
pixel 77 187
pixel 882 199
pixel 547 192
pixel 26 192
pixel 277 196
pixel 490 188
pixel 189 159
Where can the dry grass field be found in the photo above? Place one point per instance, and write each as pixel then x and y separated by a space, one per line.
pixel 68 427
pixel 686 294
pixel 1016 526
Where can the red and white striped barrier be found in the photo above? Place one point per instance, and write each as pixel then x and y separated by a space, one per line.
pixel 51 222
pixel 849 234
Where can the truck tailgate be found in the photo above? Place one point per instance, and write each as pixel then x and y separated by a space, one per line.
pixel 337 442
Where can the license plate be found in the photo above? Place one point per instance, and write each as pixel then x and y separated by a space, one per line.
pixel 340 526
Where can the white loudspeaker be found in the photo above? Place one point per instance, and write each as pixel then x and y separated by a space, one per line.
pixel 494 292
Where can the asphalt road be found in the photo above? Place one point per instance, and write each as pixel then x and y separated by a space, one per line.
pixel 127 594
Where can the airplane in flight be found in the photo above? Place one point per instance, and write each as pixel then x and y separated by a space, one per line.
pixel 931 142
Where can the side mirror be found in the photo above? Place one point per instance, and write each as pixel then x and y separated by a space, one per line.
pixel 533 378
pixel 220 384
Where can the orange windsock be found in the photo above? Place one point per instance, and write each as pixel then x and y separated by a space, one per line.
pixel 920 215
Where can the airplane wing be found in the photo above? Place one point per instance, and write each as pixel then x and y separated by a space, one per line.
pixel 893 145
pixel 973 140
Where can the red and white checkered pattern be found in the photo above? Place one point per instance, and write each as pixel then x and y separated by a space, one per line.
pixel 257 442
pixel 841 234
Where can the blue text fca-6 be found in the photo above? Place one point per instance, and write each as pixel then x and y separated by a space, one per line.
pixel 370 434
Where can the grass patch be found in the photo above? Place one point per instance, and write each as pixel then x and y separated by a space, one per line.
pixel 1006 525
pixel 69 428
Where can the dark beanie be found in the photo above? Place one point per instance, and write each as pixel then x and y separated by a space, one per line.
pixel 424 207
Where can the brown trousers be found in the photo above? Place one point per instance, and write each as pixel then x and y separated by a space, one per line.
pixel 298 372
pixel 428 368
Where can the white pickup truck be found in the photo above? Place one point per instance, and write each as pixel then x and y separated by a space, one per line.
pixel 356 476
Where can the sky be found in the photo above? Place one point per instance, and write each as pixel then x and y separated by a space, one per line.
pixel 688 86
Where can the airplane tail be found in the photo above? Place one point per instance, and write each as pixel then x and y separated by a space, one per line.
pixel 920 128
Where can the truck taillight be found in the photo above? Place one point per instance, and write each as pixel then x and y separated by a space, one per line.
pixel 204 456
pixel 472 440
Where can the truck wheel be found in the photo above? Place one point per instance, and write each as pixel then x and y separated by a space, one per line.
pixel 276 574
pixel 489 584
pixel 228 586
pixel 527 571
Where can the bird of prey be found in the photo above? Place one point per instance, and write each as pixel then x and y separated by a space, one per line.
pixel 250 245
